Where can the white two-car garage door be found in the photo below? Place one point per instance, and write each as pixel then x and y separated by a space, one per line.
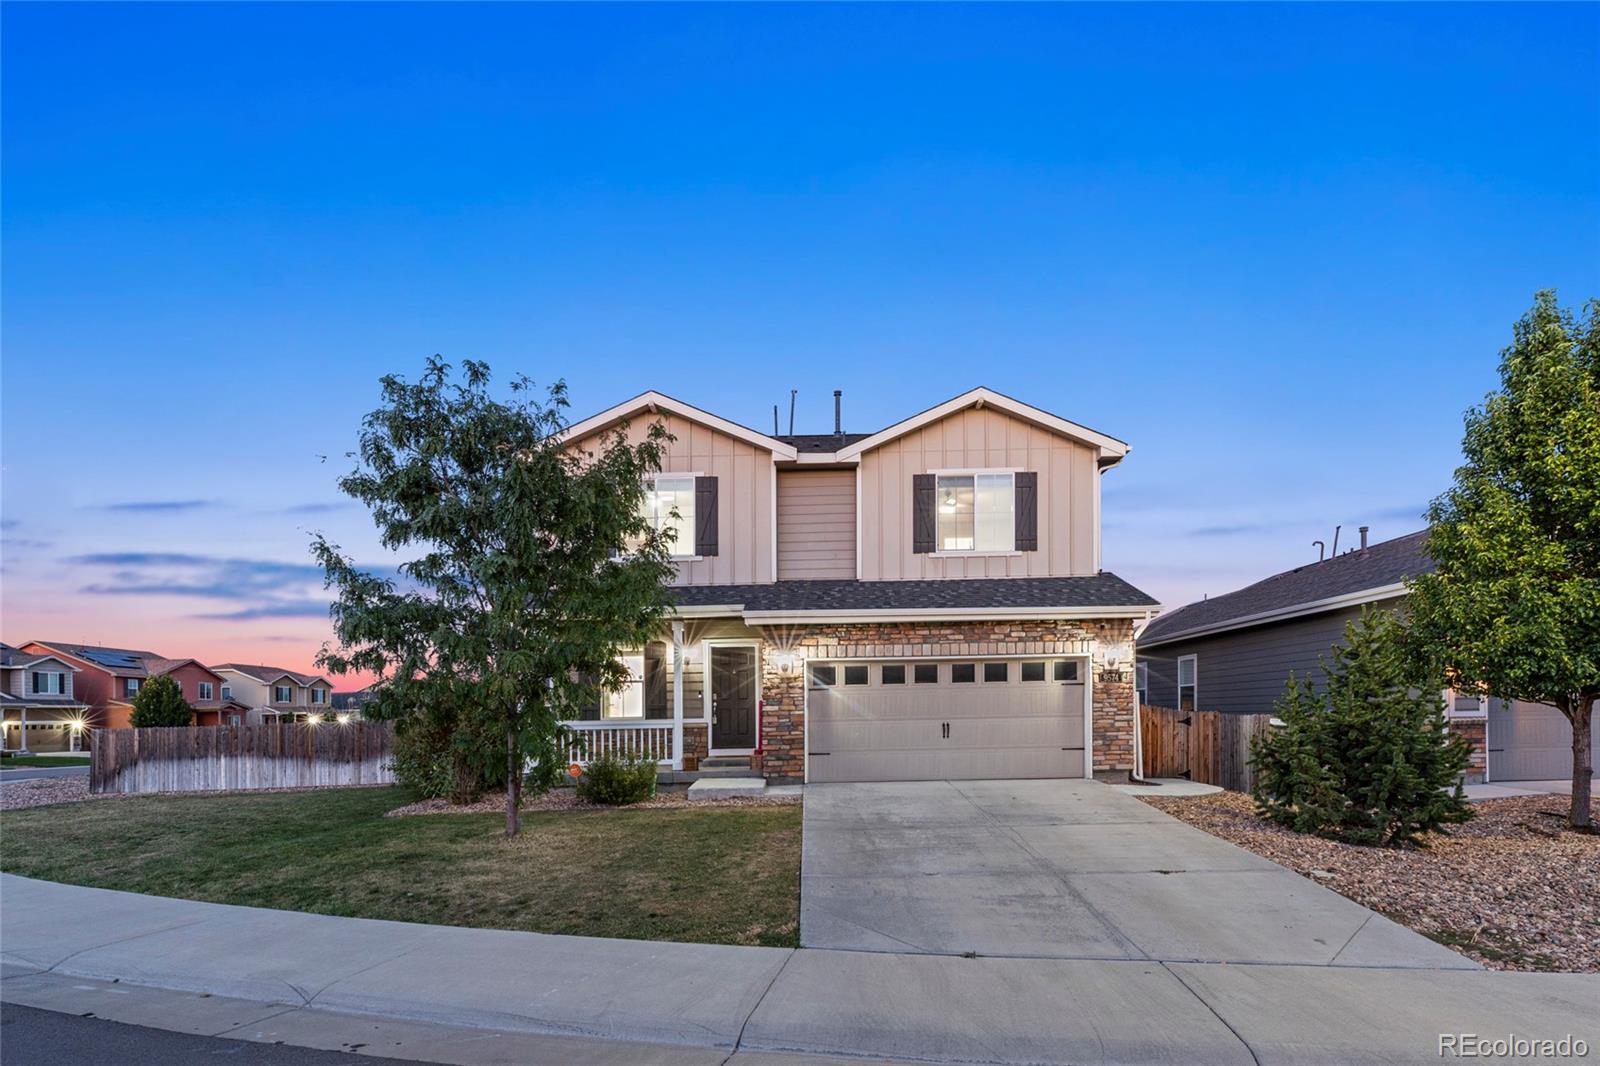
pixel 944 720
pixel 1531 742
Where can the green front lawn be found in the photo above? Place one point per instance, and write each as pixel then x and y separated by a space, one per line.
pixel 25 762
pixel 720 875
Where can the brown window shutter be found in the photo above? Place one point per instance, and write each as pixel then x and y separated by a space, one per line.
pixel 705 516
pixel 923 526
pixel 1027 512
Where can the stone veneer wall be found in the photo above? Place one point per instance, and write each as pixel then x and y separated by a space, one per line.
pixel 694 745
pixel 1475 731
pixel 782 755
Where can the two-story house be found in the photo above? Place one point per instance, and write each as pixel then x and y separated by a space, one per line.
pixel 922 602
pixel 39 710
pixel 273 694
pixel 107 679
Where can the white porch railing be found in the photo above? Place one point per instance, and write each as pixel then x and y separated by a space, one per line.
pixel 634 740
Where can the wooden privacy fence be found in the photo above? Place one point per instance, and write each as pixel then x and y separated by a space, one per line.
pixel 1206 746
pixel 229 757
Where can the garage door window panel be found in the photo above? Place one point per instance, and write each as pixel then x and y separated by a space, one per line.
pixel 856 675
pixel 1066 670
pixel 997 672
pixel 823 676
pixel 963 673
pixel 1032 672
pixel 926 673
pixel 892 675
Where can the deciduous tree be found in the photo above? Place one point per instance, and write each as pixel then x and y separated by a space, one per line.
pixel 1513 605
pixel 537 565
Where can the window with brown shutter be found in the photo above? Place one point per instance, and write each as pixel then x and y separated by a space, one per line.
pixel 705 516
pixel 1027 510
pixel 923 521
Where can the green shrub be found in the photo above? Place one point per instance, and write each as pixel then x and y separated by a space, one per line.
pixel 160 702
pixel 617 781
pixel 436 757
pixel 1369 761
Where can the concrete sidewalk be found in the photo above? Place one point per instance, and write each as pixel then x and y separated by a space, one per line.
pixel 322 978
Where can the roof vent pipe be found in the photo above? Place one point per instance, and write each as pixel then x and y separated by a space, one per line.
pixel 838 425
pixel 1363 538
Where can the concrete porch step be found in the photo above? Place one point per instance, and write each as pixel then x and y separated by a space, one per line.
pixel 742 770
pixel 721 762
pixel 727 787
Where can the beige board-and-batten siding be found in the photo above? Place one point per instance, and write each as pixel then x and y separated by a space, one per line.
pixel 745 491
pixel 241 758
pixel 980 440
pixel 816 524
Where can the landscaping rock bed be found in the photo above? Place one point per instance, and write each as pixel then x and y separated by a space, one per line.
pixel 43 791
pixel 1513 888
pixel 566 799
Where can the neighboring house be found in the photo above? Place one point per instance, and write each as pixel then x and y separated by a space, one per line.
pixel 39 708
pixel 352 702
pixel 1234 654
pixel 273 694
pixel 922 602
pixel 107 678
pixel 203 687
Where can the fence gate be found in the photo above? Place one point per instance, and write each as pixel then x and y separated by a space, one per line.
pixel 1205 746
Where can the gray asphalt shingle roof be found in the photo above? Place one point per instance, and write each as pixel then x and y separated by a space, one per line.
pixel 1099 590
pixel 1378 566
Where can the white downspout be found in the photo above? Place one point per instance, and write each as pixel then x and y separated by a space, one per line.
pixel 677 694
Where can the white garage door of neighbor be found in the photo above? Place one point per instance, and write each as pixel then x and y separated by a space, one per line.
pixel 943 720
pixel 1531 742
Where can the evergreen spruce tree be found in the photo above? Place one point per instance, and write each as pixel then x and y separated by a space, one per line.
pixel 1370 759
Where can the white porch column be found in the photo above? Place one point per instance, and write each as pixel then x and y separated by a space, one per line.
pixel 677 695
pixel 22 744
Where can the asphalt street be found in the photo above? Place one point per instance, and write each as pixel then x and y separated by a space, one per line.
pixel 31 1037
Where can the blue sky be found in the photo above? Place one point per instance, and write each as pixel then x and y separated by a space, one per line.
pixel 1275 248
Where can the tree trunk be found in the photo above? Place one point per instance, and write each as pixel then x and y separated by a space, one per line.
pixel 1578 712
pixel 513 786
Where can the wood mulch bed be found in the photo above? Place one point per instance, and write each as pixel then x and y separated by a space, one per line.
pixel 566 799
pixel 1513 888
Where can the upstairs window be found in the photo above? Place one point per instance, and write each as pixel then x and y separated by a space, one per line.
pixel 668 506
pixel 47 683
pixel 319 696
pixel 205 690
pixel 282 694
pixel 130 686
pixel 977 512
pixel 227 694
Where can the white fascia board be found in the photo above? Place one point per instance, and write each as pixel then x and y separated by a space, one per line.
pixel 1332 603
pixel 941 614
pixel 824 459
pixel 653 401
pixel 1109 446
pixel 725 610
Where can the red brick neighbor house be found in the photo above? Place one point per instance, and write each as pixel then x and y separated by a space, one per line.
pixel 922 602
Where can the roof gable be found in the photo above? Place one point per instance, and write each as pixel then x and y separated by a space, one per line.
pixel 653 402
pixel 1356 577
pixel 1111 449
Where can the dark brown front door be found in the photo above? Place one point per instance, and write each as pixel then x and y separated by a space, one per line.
pixel 733 697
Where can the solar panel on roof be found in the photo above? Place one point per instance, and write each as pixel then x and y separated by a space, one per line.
pixel 114 659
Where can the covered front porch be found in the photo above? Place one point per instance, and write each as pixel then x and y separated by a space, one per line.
pixel 694 704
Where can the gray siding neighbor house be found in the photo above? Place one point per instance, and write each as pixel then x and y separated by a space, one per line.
pixel 1234 654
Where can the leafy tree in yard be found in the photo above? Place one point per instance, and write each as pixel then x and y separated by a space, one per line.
pixel 1513 606
pixel 160 702
pixel 1371 761
pixel 537 564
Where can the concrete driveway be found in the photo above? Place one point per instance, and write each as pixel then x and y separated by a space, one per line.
pixel 1065 870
